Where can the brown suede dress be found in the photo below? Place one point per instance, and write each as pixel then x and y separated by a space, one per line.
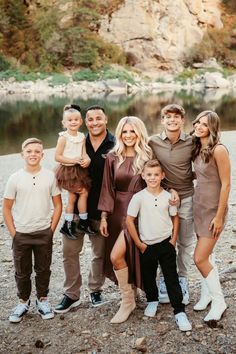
pixel 206 195
pixel 118 187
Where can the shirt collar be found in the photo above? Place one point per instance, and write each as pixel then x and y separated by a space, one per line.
pixel 109 138
pixel 181 137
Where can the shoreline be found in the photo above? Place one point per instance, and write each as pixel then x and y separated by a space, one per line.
pixel 42 88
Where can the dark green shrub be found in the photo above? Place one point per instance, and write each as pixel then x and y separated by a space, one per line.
pixel 86 74
pixel 4 65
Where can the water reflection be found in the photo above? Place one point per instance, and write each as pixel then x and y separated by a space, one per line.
pixel 22 118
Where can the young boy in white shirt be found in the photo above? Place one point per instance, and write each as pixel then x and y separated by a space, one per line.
pixel 156 238
pixel 27 214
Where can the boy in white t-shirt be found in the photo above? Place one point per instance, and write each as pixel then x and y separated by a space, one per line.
pixel 27 214
pixel 156 238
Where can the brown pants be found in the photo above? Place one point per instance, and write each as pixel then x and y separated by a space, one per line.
pixel 40 244
pixel 71 260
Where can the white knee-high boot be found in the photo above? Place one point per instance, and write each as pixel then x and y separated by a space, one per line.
pixel 205 297
pixel 127 297
pixel 218 305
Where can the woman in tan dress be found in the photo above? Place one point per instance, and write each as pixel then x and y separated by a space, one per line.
pixel 121 179
pixel 212 167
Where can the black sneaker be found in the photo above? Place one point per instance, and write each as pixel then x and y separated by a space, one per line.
pixel 97 299
pixel 66 304
pixel 69 229
pixel 84 225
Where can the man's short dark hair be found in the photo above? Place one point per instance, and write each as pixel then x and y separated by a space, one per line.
pixel 95 107
pixel 173 108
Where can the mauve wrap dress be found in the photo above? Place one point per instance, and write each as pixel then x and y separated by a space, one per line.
pixel 118 187
pixel 206 195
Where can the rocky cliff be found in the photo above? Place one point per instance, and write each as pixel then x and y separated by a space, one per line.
pixel 151 35
pixel 158 34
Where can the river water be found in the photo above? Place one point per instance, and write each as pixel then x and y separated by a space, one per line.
pixel 23 117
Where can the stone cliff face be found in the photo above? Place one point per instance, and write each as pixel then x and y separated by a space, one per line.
pixel 157 34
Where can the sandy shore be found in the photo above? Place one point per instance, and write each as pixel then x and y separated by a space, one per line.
pixel 87 329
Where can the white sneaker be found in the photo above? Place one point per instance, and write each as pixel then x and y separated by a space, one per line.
pixel 19 311
pixel 183 322
pixel 151 309
pixel 162 292
pixel 184 287
pixel 44 309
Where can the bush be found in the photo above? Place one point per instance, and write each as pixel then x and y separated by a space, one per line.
pixel 86 74
pixel 215 43
pixel 105 73
pixel 122 75
pixel 230 5
pixel 4 65
pixel 59 79
pixel 21 76
pixel 185 75
pixel 44 40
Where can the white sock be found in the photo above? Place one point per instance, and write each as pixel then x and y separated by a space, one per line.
pixel 69 217
pixel 83 216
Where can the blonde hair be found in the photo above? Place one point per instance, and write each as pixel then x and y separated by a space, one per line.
pixel 143 152
pixel 31 141
pixel 152 163
pixel 213 124
pixel 70 109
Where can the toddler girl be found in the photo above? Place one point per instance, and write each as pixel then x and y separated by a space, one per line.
pixel 70 175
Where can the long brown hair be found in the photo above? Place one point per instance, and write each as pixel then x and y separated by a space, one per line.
pixel 213 123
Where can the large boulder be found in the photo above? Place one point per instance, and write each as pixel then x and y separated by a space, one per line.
pixel 215 80
pixel 158 34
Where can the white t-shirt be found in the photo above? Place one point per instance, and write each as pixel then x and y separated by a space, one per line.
pixel 155 224
pixel 32 194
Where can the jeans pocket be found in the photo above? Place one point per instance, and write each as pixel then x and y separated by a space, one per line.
pixel 15 236
pixel 172 246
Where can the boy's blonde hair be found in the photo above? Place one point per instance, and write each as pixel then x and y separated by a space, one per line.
pixel 152 163
pixel 31 141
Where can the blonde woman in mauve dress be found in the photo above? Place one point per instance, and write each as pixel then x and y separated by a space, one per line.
pixel 212 167
pixel 121 179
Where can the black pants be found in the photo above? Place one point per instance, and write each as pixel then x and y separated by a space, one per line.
pixel 24 245
pixel 162 253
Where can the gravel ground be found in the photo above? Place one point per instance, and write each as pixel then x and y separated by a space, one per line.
pixel 87 329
